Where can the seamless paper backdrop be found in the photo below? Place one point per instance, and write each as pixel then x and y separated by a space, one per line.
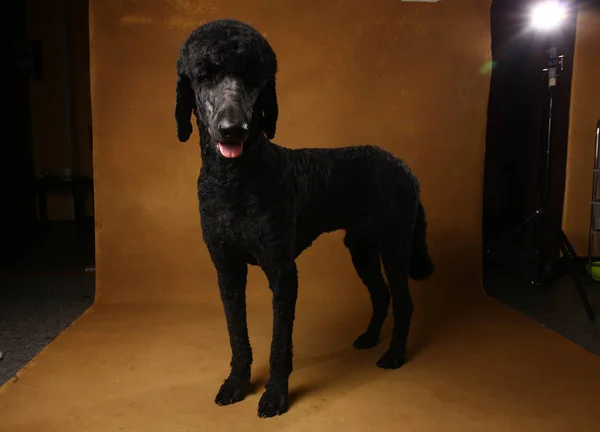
pixel 409 77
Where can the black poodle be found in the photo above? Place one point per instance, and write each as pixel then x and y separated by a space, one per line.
pixel 262 204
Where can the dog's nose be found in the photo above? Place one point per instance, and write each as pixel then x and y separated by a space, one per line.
pixel 234 131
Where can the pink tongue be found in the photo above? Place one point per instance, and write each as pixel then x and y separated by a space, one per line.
pixel 230 151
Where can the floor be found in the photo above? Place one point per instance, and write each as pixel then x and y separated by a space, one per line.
pixel 42 295
pixel 474 365
pixel 557 306
pixel 484 367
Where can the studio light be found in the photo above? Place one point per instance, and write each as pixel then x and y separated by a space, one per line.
pixel 548 15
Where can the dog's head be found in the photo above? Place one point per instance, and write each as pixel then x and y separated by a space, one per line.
pixel 226 76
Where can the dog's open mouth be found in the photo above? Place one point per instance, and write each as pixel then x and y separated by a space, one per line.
pixel 230 150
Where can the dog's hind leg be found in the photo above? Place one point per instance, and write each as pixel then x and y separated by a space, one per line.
pixel 396 262
pixel 367 262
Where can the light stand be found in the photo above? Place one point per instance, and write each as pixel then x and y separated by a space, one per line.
pixel 541 217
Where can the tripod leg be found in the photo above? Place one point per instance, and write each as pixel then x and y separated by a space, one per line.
pixel 548 272
pixel 578 266
pixel 545 237
pixel 570 256
pixel 539 237
pixel 515 230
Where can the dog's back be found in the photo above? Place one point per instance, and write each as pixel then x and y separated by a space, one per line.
pixel 364 190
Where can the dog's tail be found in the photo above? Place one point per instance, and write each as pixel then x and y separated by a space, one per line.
pixel 421 265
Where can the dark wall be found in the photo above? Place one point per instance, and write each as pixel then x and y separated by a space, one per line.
pixel 17 212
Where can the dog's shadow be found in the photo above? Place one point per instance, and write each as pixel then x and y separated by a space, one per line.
pixel 296 392
pixel 341 369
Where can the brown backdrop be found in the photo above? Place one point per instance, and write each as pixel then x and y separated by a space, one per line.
pixel 585 113
pixel 404 76
pixel 152 352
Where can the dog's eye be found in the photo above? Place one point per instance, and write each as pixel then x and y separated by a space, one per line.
pixel 206 76
pixel 252 83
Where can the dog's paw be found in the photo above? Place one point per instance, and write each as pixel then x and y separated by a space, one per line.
pixel 273 402
pixel 391 360
pixel 366 341
pixel 233 390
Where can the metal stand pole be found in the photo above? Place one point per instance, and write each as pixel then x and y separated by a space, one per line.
pixel 541 217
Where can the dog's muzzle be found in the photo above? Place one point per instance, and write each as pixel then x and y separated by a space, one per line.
pixel 232 135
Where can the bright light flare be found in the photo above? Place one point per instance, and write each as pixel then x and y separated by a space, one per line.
pixel 548 15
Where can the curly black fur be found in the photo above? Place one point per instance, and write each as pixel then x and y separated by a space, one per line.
pixel 266 204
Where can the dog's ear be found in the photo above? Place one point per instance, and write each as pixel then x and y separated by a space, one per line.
pixel 270 110
pixel 184 105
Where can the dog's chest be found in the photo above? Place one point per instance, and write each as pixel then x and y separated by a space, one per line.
pixel 242 223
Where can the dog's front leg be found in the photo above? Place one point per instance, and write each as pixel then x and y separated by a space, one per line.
pixel 232 286
pixel 283 282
